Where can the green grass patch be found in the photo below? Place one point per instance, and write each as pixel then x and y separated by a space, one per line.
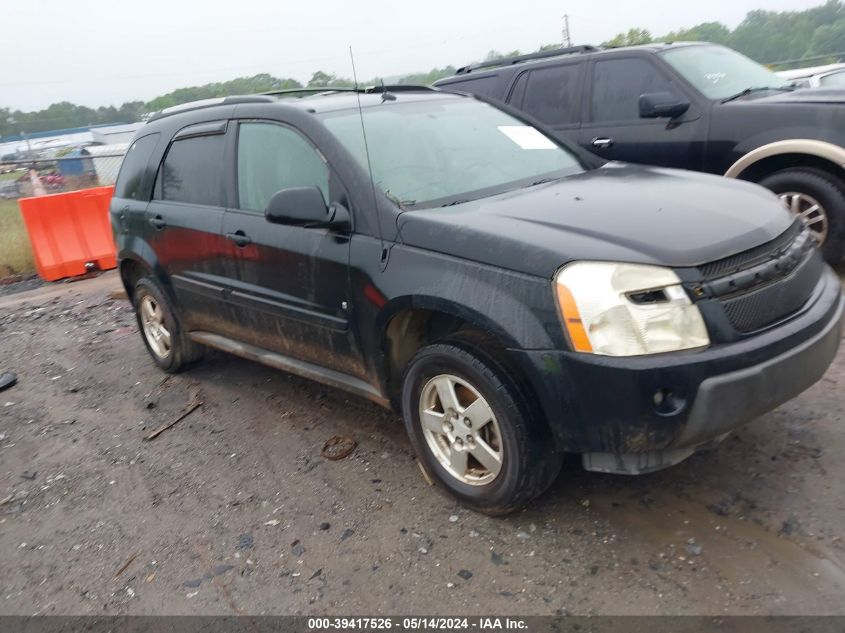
pixel 13 175
pixel 15 252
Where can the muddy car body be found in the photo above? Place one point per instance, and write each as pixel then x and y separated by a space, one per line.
pixel 496 319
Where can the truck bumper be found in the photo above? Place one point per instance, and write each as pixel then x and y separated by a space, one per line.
pixel 640 414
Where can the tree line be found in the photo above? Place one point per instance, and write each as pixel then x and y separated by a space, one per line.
pixel 816 34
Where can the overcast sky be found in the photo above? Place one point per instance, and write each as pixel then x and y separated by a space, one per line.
pixel 101 52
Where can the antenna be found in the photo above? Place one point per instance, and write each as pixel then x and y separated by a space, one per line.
pixel 566 37
pixel 369 163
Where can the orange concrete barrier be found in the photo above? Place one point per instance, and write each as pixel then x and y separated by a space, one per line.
pixel 70 232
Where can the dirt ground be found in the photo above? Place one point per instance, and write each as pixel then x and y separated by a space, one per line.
pixel 233 510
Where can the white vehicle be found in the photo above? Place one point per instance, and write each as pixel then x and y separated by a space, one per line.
pixel 830 76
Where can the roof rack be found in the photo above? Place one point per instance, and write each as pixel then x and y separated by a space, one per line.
pixel 269 97
pixel 327 90
pixel 508 61
pixel 208 103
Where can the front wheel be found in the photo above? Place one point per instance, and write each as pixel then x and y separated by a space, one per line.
pixel 817 198
pixel 473 429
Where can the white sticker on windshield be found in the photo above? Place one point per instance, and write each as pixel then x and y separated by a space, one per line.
pixel 526 137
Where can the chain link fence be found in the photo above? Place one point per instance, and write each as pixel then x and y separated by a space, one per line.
pixel 68 170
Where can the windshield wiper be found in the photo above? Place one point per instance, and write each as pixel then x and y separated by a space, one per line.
pixel 543 181
pixel 748 91
pixel 454 202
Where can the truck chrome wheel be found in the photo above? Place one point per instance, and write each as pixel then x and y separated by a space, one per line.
pixel 810 211
pixel 152 321
pixel 461 430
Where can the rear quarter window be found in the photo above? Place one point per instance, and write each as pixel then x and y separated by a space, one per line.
pixel 134 166
pixel 482 86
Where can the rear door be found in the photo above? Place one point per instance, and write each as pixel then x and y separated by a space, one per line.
pixel 553 95
pixel 291 289
pixel 613 128
pixel 185 218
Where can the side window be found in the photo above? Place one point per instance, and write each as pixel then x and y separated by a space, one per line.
pixel 133 167
pixel 553 94
pixel 618 84
pixel 482 86
pixel 273 157
pixel 192 171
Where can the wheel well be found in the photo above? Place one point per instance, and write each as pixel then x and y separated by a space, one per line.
pixel 410 330
pixel 131 271
pixel 772 164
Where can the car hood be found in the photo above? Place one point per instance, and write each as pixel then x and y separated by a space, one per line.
pixel 803 95
pixel 616 213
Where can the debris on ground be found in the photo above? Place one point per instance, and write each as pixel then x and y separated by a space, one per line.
pixel 126 564
pixel 194 404
pixel 337 447
pixel 465 574
pixel 245 541
pixel 7 379
pixel 346 534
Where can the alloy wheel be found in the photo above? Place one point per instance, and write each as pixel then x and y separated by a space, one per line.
pixel 155 331
pixel 811 212
pixel 461 430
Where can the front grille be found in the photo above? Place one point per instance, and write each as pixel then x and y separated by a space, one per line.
pixel 751 257
pixel 776 300
pixel 766 284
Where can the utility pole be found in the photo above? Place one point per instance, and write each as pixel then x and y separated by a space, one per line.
pixel 565 38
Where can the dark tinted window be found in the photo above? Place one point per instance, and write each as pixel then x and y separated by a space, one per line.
pixel 553 94
pixel 482 86
pixel 618 84
pixel 192 171
pixel 134 165
pixel 272 157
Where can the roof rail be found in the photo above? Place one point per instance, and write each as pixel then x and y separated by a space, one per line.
pixel 292 92
pixel 508 61
pixel 208 103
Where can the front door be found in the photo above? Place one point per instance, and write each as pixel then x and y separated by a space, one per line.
pixel 185 217
pixel 292 283
pixel 614 129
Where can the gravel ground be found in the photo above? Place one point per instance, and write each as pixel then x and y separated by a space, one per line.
pixel 233 510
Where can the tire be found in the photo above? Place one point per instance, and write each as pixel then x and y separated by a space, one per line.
pixel 816 187
pixel 171 350
pixel 527 463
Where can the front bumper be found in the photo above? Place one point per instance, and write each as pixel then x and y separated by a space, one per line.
pixel 639 414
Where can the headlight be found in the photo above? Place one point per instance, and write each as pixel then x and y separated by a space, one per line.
pixel 627 309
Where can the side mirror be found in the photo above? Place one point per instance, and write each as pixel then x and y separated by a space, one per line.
pixel 657 105
pixel 304 206
pixel 297 206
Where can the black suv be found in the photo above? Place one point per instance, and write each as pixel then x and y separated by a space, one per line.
pixel 511 296
pixel 688 105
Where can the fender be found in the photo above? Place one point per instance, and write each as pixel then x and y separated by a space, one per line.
pixel 820 149
pixel 136 249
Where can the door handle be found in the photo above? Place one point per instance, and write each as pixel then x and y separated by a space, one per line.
pixel 158 222
pixel 602 142
pixel 239 238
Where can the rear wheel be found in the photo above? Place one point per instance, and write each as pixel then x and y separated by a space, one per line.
pixel 167 343
pixel 818 199
pixel 473 429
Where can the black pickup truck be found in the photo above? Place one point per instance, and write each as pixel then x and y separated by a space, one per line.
pixel 687 105
pixel 512 297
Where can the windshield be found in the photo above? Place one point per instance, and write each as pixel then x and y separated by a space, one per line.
pixel 720 72
pixel 439 152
